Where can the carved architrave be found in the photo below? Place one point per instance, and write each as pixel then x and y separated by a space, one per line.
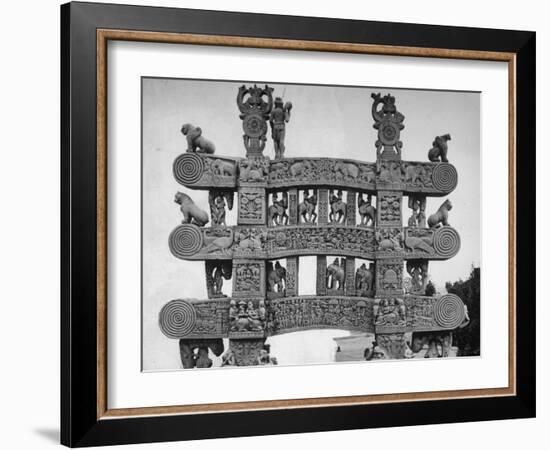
pixel 252 206
pixel 199 171
pixel 389 241
pixel 310 312
pixel 322 171
pixel 389 314
pixel 253 171
pixel 389 208
pixel 248 278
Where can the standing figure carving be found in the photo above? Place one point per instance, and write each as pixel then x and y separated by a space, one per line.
pixel 277 212
pixel 306 209
pixel 217 201
pixel 280 115
pixel 367 212
pixel 336 275
pixel 338 209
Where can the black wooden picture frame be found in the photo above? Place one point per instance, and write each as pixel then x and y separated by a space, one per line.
pixel 85 419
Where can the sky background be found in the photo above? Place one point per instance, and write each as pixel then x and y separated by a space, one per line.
pixel 330 121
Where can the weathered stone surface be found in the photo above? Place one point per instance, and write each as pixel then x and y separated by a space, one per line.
pixel 336 209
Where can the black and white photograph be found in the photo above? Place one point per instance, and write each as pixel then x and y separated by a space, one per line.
pixel 299 224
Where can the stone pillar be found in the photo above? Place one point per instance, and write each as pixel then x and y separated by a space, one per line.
pixel 321 275
pixel 350 277
pixel 389 276
pixel 351 208
pixel 389 206
pixel 393 344
pixel 249 278
pixel 322 207
pixel 252 206
pixel 244 352
pixel 292 270
pixel 293 202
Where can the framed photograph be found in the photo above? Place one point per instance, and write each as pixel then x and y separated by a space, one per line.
pixel 276 224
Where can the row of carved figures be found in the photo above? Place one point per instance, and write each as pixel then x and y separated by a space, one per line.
pixel 307 209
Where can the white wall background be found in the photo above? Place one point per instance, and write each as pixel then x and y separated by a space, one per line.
pixel 29 195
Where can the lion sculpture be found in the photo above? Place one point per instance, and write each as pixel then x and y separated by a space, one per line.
pixel 441 217
pixel 196 142
pixel 438 152
pixel 191 212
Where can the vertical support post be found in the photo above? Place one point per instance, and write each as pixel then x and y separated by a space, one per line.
pixel 292 269
pixel 321 275
pixel 350 277
pixel 351 208
pixel 322 207
pixel 293 202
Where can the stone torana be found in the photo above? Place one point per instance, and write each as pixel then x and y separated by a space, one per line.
pixel 352 215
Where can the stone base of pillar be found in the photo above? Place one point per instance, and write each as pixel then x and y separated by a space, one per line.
pixel 393 345
pixel 245 352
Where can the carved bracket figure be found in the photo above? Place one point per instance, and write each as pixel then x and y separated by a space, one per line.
pixel 191 212
pixel 441 217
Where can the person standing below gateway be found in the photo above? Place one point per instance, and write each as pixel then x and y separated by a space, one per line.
pixel 277 119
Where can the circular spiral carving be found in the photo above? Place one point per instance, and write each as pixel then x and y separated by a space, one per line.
pixel 177 318
pixel 185 240
pixel 448 311
pixel 254 126
pixel 188 168
pixel 444 177
pixel 446 242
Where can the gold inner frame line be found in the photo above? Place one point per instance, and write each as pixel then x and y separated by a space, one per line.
pixel 104 35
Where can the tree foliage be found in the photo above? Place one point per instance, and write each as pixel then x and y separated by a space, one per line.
pixel 467 338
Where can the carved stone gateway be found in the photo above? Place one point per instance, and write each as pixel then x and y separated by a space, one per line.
pixel 347 213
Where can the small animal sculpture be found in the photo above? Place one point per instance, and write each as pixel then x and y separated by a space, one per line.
pixel 300 168
pixel 223 168
pixel 441 217
pixel 417 243
pixel 196 142
pixel 221 243
pixel 347 169
pixel 336 275
pixel 191 212
pixel 438 152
